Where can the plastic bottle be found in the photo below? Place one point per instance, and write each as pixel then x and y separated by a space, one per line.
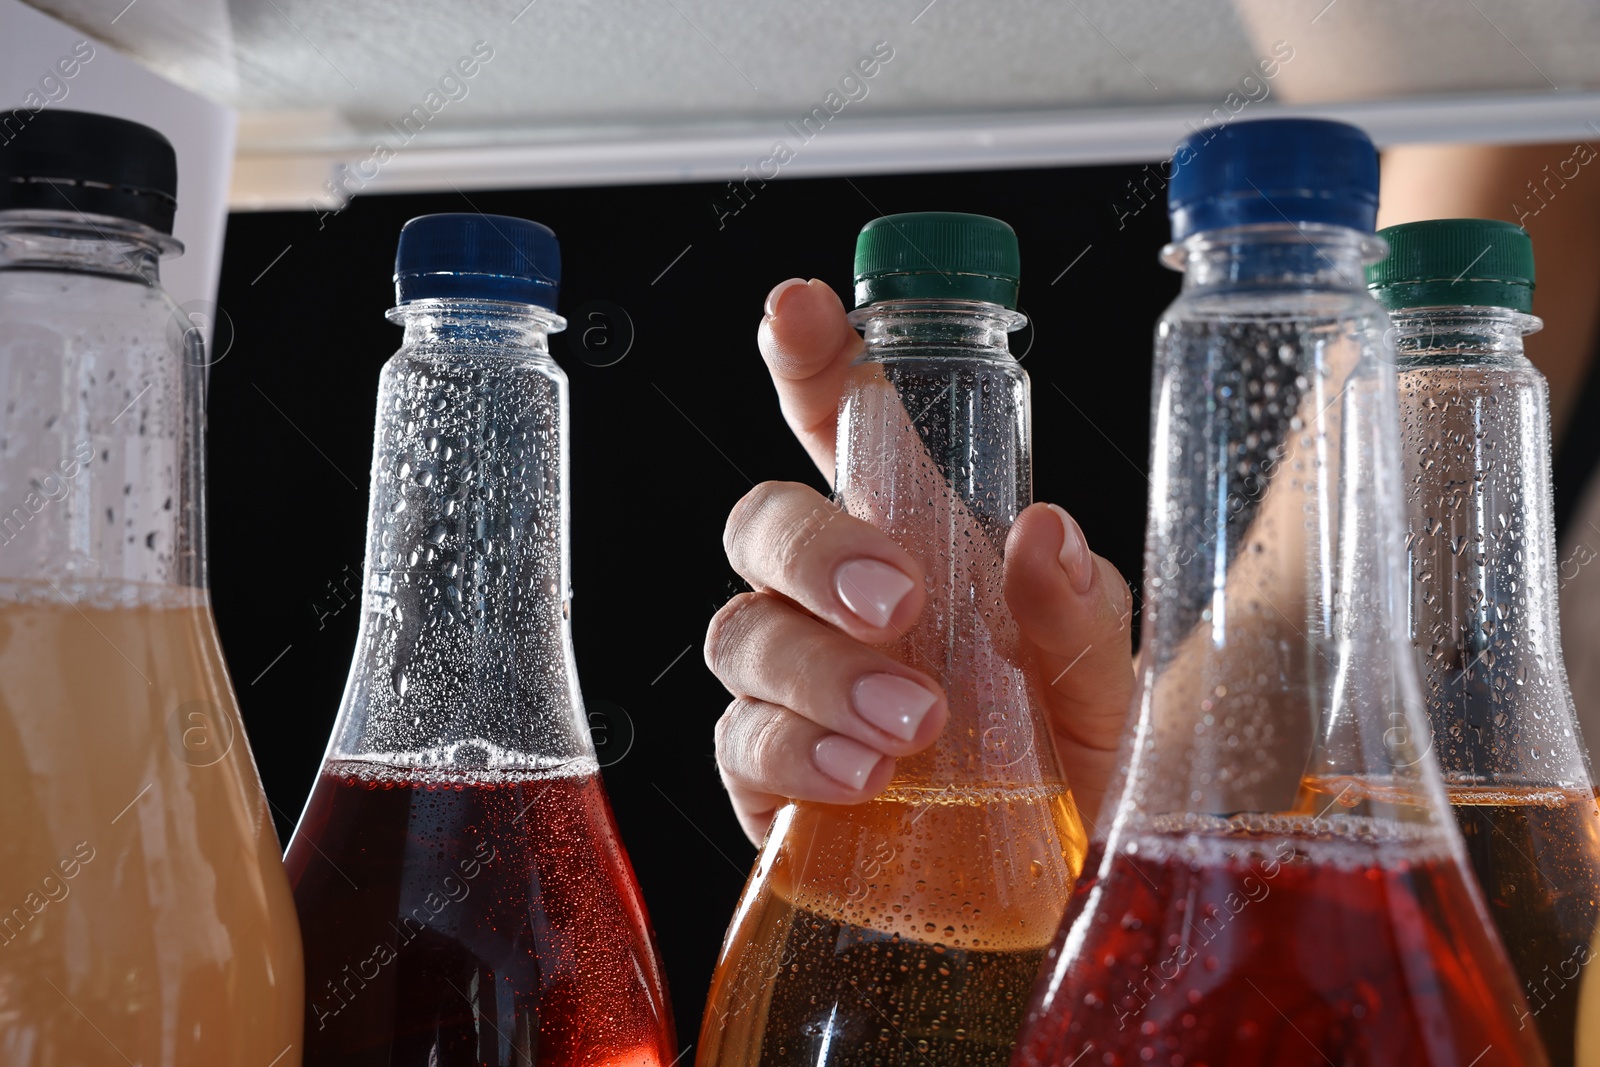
pixel 1475 429
pixel 464 897
pixel 1283 881
pixel 909 929
pixel 144 913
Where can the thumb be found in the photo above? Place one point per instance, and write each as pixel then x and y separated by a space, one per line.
pixel 808 344
pixel 1074 608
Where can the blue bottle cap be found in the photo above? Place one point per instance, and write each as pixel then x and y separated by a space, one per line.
pixel 1302 171
pixel 477 257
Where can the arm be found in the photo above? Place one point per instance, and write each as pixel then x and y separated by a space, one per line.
pixel 1553 191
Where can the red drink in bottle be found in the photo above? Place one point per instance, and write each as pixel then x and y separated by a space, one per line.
pixel 492 916
pixel 463 894
pixel 1258 948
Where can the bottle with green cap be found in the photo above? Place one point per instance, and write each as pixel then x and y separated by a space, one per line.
pixel 909 929
pixel 1474 417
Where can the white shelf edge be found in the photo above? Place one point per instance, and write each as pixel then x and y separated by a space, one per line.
pixel 279 180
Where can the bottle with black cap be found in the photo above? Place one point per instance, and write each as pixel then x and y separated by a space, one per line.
pixel 1475 430
pixel 463 892
pixel 1283 880
pixel 146 917
pixel 907 930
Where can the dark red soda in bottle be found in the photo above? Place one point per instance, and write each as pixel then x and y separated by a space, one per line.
pixel 464 897
pixel 1282 881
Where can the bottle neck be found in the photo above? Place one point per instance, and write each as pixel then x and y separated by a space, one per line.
pixel 1275 255
pixel 1478 336
pixel 464 659
pixel 468 326
pixel 944 367
pixel 950 329
pixel 87 244
pixel 1272 648
pixel 935 449
pixel 101 445
pixel 1481 541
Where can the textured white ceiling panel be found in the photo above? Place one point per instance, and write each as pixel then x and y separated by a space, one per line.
pixel 320 83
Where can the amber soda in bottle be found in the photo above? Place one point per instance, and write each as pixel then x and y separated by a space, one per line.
pixel 463 893
pixel 909 929
pixel 1475 426
pixel 1282 882
pixel 144 913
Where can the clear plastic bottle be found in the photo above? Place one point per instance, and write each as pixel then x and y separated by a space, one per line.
pixel 909 929
pixel 1475 430
pixel 144 912
pixel 464 896
pixel 1283 882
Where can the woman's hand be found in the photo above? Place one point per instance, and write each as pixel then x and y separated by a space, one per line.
pixel 818 713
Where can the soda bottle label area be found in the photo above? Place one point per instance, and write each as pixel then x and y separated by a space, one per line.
pixel 910 928
pixel 463 892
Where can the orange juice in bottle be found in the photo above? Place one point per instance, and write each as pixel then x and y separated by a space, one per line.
pixel 144 912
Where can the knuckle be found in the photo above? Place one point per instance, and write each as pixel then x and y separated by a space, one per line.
pixel 730 631
pixel 751 745
pixel 773 524
pixel 747 518
pixel 724 733
pixel 767 751
pixel 816 658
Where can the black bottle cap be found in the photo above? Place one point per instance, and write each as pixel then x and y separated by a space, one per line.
pixel 91 164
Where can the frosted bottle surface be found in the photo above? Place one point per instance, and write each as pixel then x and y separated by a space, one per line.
pixel 909 929
pixel 144 912
pixel 1282 881
pixel 464 894
pixel 1474 419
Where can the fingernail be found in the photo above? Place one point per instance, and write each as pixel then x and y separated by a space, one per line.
pixel 1074 554
pixel 893 704
pixel 774 297
pixel 847 762
pixel 871 589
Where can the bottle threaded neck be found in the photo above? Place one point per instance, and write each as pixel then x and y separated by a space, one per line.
pixel 948 328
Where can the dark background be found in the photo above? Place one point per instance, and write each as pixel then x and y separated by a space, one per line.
pixel 664 441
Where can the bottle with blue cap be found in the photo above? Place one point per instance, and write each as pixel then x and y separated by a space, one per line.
pixel 1282 881
pixel 907 930
pixel 1475 426
pixel 463 894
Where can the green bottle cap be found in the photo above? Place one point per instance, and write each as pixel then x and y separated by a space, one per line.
pixel 1455 263
pixel 937 255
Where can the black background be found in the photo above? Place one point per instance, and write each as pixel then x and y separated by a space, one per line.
pixel 664 442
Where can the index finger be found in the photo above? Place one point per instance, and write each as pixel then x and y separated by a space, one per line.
pixel 808 345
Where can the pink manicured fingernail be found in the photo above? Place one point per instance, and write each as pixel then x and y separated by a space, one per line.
pixel 774 297
pixel 847 762
pixel 1074 554
pixel 893 704
pixel 871 589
